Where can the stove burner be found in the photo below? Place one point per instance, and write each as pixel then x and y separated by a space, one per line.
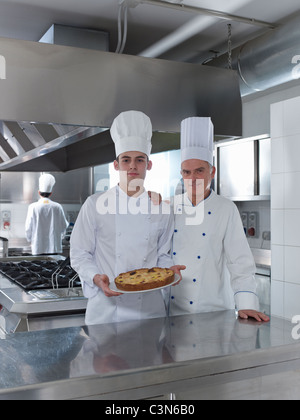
pixel 37 274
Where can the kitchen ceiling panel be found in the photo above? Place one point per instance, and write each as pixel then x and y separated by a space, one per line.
pixel 30 19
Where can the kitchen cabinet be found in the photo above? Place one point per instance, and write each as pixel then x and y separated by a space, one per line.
pixel 244 169
pixel 264 167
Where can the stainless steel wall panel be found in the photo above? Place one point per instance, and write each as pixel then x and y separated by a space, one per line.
pixel 22 187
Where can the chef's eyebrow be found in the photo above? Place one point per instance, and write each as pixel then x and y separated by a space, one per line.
pixel 193 170
pixel 129 157
pixel 136 157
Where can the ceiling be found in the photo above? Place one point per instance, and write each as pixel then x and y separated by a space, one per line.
pixel 148 24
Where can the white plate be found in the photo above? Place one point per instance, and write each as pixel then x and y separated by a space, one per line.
pixel 114 288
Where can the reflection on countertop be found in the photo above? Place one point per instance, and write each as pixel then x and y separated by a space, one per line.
pixel 151 349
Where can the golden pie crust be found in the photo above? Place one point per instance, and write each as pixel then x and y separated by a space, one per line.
pixel 144 279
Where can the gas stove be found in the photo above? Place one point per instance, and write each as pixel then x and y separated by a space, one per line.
pixel 39 292
pixel 40 274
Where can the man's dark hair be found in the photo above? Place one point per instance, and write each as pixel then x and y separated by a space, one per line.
pixel 45 195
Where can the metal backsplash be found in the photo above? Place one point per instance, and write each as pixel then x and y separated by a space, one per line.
pixel 22 187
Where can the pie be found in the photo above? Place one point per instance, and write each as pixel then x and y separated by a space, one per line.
pixel 144 279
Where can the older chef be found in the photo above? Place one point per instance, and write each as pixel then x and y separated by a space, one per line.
pixel 209 238
pixel 45 221
pixel 116 231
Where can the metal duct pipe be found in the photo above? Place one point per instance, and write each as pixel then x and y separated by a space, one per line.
pixel 267 61
pixel 178 5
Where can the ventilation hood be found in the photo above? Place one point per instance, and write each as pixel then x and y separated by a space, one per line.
pixel 58 102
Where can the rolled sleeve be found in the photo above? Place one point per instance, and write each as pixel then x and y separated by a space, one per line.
pixel 241 265
pixel 246 300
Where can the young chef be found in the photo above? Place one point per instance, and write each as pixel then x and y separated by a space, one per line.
pixel 45 221
pixel 116 231
pixel 209 238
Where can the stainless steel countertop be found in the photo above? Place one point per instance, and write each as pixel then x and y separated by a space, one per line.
pixel 17 301
pixel 110 359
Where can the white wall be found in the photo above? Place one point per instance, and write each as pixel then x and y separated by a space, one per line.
pixel 256 107
pixel 285 208
pixel 280 120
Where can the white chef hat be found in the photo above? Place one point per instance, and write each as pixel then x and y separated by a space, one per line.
pixel 46 183
pixel 196 139
pixel 132 131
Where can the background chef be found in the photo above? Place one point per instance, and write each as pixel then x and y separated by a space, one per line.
pixel 115 231
pixel 209 238
pixel 45 222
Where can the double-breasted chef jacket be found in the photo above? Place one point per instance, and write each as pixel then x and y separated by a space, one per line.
pixel 220 269
pixel 115 233
pixel 44 226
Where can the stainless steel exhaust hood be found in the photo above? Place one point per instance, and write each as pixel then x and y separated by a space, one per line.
pixel 58 102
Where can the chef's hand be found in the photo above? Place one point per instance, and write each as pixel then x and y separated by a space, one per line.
pixel 102 281
pixel 155 198
pixel 259 316
pixel 177 270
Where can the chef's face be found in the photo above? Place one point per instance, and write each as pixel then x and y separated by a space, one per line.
pixel 133 167
pixel 197 175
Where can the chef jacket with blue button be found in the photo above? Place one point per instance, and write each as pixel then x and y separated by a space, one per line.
pixel 220 271
pixel 110 238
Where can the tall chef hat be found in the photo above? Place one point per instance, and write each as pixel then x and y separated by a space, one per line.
pixel 132 131
pixel 196 139
pixel 46 183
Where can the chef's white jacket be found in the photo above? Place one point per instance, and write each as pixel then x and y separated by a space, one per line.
pixel 44 226
pixel 209 239
pixel 115 233
pixel 115 347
